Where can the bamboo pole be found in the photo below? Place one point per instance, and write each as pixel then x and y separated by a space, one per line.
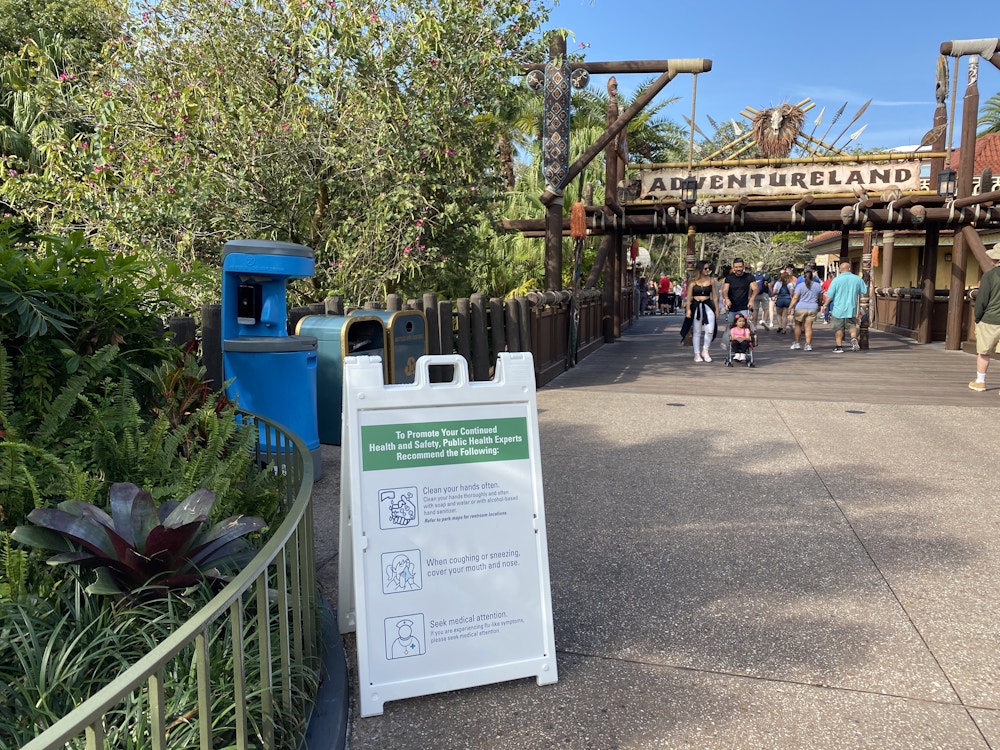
pixel 768 162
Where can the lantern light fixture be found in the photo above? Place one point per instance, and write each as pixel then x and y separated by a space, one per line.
pixel 946 182
pixel 689 189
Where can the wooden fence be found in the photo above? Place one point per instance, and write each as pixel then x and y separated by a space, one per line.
pixel 476 327
pixel 898 310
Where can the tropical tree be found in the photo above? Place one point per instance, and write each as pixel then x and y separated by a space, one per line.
pixel 85 25
pixel 989 115
pixel 366 130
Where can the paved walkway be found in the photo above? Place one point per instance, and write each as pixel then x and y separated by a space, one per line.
pixel 802 555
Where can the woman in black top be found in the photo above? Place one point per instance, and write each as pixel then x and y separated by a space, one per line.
pixel 701 304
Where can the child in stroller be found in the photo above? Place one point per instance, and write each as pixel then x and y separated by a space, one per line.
pixel 742 341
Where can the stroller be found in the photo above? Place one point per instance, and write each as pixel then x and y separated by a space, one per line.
pixel 739 357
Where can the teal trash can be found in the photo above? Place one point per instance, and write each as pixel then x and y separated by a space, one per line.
pixel 405 343
pixel 337 337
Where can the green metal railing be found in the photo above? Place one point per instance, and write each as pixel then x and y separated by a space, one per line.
pixel 281 581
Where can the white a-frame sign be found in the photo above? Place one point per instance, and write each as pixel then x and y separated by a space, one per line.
pixel 443 558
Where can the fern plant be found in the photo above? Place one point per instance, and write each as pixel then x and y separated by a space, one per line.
pixel 13 569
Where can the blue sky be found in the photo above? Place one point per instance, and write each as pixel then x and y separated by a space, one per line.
pixel 768 52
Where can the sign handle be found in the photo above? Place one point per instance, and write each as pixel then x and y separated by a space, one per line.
pixel 459 370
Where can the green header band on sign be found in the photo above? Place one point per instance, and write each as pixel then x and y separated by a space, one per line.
pixel 404 446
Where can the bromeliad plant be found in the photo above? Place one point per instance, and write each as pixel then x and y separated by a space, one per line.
pixel 140 546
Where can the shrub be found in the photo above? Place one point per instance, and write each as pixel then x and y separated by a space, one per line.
pixel 140 546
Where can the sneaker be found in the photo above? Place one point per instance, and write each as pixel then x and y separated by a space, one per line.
pixel 704 355
pixel 807 348
pixel 796 345
pixel 697 358
pixel 838 350
pixel 977 386
pixel 855 347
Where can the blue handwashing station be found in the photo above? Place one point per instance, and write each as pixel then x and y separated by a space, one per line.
pixel 272 373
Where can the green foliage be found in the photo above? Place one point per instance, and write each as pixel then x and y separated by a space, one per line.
pixel 369 135
pixel 56 653
pixel 989 115
pixel 85 25
pixel 13 569
pixel 61 299
pixel 140 546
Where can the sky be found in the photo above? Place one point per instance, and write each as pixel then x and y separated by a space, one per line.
pixel 768 52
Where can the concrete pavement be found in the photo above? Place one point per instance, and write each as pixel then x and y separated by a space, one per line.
pixel 741 566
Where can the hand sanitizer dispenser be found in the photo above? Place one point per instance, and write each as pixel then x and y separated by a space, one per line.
pixel 272 373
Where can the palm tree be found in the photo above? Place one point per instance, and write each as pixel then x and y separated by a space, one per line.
pixel 989 118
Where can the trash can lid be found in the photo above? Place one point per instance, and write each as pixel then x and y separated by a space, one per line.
pixel 266 247
pixel 270 344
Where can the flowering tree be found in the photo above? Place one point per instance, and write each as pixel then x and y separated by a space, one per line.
pixel 366 129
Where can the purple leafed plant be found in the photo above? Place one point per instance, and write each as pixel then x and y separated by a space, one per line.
pixel 139 545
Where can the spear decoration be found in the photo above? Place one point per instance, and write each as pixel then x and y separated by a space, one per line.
pixel 816 124
pixel 695 127
pixel 833 122
pixel 853 120
pixel 856 134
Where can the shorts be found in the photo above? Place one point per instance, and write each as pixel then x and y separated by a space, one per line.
pixel 664 298
pixel 801 316
pixel 842 324
pixel 987 338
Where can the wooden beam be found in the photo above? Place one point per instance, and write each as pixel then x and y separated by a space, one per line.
pixel 634 66
pixel 676 67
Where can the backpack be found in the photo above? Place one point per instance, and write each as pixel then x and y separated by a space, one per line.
pixel 763 287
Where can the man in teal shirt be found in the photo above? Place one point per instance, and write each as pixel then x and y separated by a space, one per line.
pixel 844 298
pixel 987 313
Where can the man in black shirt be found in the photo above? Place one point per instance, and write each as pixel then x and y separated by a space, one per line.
pixel 739 291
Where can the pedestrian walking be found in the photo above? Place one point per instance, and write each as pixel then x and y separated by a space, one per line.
pixel 804 308
pixel 700 308
pixel 782 293
pixel 987 314
pixel 843 299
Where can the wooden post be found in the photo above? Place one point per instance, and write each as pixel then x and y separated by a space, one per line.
pixel 845 245
pixel 612 281
pixel 864 311
pixel 966 167
pixel 464 310
pixel 446 327
pixel 553 244
pixel 886 257
pixel 932 239
pixel 480 340
pixel 433 331
pixel 555 156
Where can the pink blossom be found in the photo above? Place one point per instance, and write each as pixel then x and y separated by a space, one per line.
pixel 285 126
pixel 170 190
pixel 420 222
pixel 373 18
pixel 107 93
pixel 406 249
pixel 12 173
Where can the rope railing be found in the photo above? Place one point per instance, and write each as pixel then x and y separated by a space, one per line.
pixel 281 583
